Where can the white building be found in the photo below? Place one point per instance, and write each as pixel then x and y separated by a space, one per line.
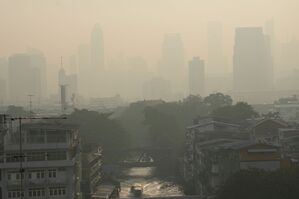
pixel 50 162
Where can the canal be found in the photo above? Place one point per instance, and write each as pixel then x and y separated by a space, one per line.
pixel 153 186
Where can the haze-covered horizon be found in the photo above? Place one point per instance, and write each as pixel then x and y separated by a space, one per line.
pixel 136 28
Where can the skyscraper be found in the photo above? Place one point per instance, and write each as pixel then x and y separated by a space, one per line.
pixel 24 78
pixel 253 65
pixel 216 62
pixel 39 63
pixel 97 49
pixel 172 62
pixel 197 76
pixel 289 56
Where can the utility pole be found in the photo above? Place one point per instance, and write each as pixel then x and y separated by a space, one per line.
pixel 21 155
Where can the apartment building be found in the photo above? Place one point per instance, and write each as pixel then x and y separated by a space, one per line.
pixel 47 166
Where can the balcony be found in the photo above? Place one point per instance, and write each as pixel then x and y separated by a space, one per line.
pixel 39 164
pixel 38 146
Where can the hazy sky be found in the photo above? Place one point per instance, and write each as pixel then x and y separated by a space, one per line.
pixel 134 27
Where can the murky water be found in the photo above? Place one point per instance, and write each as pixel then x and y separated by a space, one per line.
pixel 153 186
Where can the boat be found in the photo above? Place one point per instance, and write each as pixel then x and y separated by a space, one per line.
pixel 136 190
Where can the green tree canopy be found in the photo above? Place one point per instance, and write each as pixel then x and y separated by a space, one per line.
pixel 239 111
pixel 217 100
pixel 96 128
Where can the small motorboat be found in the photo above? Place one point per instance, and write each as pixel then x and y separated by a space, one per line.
pixel 136 190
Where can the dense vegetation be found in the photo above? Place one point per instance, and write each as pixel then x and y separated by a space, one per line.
pixel 164 123
pixel 98 129
pixel 282 184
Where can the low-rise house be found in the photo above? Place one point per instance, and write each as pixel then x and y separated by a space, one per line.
pixel 288 109
pixel 204 131
pixel 267 130
pixel 216 149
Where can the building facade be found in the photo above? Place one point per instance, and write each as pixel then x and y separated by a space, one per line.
pixel 46 167
pixel 216 149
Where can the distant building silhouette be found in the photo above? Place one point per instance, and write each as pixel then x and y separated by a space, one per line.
pixel 172 61
pixel 197 76
pixel 69 84
pixel 157 88
pixel 97 49
pixel 25 77
pixel 289 56
pixel 38 61
pixel 216 61
pixel 253 65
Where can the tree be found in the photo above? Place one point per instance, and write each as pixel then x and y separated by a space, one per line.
pixel 98 129
pixel 239 111
pixel 163 129
pixel 217 100
pixel 258 184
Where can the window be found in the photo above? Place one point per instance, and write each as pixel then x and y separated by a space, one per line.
pixel 36 156
pixel 36 174
pixel 56 136
pixel 57 191
pixel 35 136
pixel 56 155
pixel 52 173
pixel 36 192
pixel 14 194
pixel 14 175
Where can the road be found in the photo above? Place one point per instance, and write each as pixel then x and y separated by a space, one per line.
pixel 153 186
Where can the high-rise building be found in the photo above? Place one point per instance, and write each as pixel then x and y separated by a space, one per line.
pixel 38 62
pixel 216 62
pixel 70 84
pixel 197 76
pixel 27 75
pixel 289 56
pixel 253 65
pixel 97 49
pixel 172 66
pixel 24 79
